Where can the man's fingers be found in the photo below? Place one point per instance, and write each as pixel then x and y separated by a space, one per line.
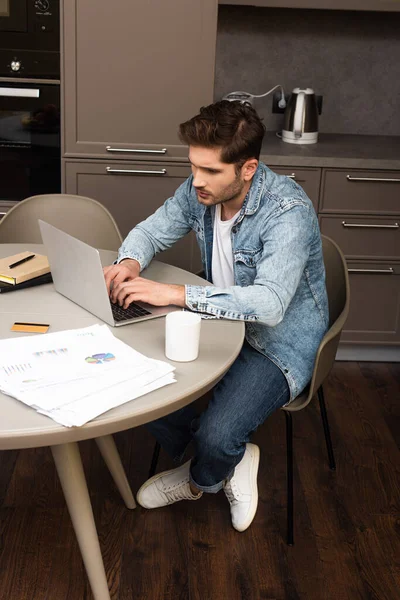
pixel 129 299
pixel 108 276
pixel 113 276
pixel 120 276
pixel 121 291
pixel 116 275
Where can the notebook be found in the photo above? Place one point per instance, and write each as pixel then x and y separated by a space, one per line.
pixel 9 287
pixel 78 274
pixel 27 269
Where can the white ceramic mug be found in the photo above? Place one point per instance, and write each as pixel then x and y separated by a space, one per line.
pixel 182 335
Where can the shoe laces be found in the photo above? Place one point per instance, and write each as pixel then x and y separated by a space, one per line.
pixel 180 491
pixel 231 491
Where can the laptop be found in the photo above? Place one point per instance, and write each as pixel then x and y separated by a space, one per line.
pixel 78 275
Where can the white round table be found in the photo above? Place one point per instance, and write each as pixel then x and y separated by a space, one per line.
pixel 23 427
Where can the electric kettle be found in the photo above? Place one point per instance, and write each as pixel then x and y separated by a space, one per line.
pixel 300 122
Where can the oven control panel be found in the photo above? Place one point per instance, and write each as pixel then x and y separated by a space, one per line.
pixel 15 65
pixel 44 16
pixel 42 5
pixel 29 64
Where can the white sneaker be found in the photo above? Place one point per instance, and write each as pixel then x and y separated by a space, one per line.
pixel 166 488
pixel 241 490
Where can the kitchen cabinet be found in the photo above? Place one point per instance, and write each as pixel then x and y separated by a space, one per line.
pixel 360 191
pixel 360 210
pixel 308 178
pixel 374 303
pixel 5 206
pixel 365 237
pixel 132 191
pixel 131 72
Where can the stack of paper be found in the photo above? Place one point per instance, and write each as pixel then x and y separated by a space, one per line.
pixel 73 376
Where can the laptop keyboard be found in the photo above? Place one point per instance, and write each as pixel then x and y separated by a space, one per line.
pixel 132 312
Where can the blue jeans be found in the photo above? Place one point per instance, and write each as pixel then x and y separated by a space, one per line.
pixel 248 393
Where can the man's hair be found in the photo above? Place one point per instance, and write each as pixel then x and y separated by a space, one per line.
pixel 234 127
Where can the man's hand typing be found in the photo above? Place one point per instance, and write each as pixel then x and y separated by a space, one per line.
pixel 151 292
pixel 126 270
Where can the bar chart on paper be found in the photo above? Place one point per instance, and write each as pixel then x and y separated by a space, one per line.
pixel 10 370
pixel 55 352
pixel 68 375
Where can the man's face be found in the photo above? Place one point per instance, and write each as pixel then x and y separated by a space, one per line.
pixel 214 180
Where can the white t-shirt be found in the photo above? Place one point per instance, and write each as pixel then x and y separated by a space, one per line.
pixel 222 258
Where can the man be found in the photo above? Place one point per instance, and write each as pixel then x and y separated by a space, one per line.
pixel 261 247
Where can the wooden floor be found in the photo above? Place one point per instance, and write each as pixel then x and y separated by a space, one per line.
pixel 347 524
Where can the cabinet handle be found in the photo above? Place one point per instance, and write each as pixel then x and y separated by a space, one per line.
pixel 19 93
pixel 292 176
pixel 350 178
pixel 135 171
pixel 135 150
pixel 388 271
pixel 371 225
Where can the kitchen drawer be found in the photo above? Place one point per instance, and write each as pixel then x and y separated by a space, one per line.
pixel 360 191
pixel 309 179
pixel 131 192
pixel 374 315
pixel 364 237
pixel 5 206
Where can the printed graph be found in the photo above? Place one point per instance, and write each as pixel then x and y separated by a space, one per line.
pixel 10 370
pixel 98 359
pixel 53 352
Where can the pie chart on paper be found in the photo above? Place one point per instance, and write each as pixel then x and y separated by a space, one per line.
pixel 98 359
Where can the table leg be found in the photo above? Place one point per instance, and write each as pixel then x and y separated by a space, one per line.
pixel 70 471
pixel 112 459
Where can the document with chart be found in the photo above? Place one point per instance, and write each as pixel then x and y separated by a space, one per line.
pixel 75 375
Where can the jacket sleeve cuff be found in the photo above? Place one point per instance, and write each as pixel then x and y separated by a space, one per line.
pixel 196 298
pixel 136 257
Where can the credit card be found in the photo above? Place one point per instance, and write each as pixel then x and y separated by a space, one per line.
pixel 30 327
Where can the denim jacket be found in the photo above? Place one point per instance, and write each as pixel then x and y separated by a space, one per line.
pixel 279 276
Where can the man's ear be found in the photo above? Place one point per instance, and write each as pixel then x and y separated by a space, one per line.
pixel 249 168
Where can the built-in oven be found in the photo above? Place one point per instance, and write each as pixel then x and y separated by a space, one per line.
pixel 30 149
pixel 30 161
pixel 24 22
pixel 13 15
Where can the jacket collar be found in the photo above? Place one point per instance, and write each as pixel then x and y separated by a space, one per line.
pixel 252 201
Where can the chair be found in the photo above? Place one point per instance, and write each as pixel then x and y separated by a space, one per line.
pixel 92 223
pixel 79 216
pixel 338 290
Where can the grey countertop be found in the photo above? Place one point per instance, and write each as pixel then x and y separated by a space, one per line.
pixel 334 150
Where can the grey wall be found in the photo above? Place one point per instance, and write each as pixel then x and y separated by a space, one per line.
pixel 351 58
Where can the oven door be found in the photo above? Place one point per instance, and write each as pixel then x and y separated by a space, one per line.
pixel 30 153
pixel 13 15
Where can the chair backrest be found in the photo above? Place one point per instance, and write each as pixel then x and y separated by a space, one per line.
pixel 338 289
pixel 82 217
pixel 335 278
